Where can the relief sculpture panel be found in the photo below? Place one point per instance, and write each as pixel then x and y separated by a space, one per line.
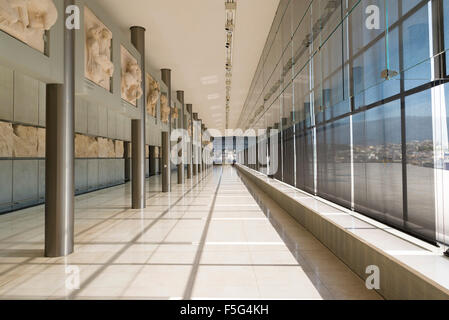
pixel 165 109
pixel 131 77
pixel 98 65
pixel 28 20
pixel 153 95
pixel 175 113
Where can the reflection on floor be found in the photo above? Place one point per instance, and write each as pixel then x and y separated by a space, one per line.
pixel 208 239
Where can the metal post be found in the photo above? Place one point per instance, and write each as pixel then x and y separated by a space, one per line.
pixel 200 147
pixel 127 156
pixel 60 151
pixel 195 146
pixel 203 163
pixel 153 170
pixel 138 165
pixel 180 96
pixel 166 162
pixel 190 152
pixel 166 78
pixel 138 128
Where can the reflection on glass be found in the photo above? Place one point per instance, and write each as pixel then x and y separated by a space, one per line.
pixel 378 163
pixel 360 121
pixel 334 161
pixel 420 164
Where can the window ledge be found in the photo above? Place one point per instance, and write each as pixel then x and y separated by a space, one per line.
pixel 410 268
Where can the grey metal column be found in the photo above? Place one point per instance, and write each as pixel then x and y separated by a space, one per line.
pixel 211 165
pixel 190 151
pixel 166 171
pixel 60 152
pixel 138 165
pixel 127 157
pixel 138 128
pixel 200 147
pixel 153 170
pixel 203 130
pixel 194 147
pixel 166 78
pixel 180 96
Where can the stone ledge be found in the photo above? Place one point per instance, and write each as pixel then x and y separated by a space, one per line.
pixel 407 271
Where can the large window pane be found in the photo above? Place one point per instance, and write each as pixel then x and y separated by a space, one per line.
pixel 334 162
pixel 378 163
pixel 420 165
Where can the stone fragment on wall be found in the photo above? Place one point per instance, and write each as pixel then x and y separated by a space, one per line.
pixel 98 38
pixel 85 146
pixel 93 148
pixel 119 149
pixel 106 148
pixel 41 142
pixel 153 94
pixel 6 140
pixel 81 146
pixel 131 77
pixel 25 141
pixel 111 148
pixel 27 20
pixel 102 147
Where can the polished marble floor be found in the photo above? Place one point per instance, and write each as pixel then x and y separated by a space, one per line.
pixel 207 239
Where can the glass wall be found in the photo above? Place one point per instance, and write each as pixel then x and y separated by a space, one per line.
pixel 357 91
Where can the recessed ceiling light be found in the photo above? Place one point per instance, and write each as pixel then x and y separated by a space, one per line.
pixel 214 96
pixel 209 80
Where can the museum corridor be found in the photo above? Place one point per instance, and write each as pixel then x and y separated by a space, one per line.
pixel 207 239
pixel 224 150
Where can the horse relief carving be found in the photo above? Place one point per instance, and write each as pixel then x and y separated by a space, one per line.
pixel 99 67
pixel 27 20
pixel 131 78
pixel 153 94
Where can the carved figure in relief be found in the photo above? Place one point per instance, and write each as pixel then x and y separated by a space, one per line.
pixel 189 127
pixel 175 113
pixel 153 94
pixel 27 20
pixel 131 82
pixel 99 67
pixel 131 77
pixel 165 109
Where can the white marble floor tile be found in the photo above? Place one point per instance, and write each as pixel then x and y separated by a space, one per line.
pixel 207 239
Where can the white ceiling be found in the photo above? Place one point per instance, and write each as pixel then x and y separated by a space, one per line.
pixel 188 37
